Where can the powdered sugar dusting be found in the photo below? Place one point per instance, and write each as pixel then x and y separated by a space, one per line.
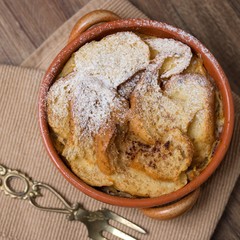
pixel 94 104
pixel 85 99
pixel 125 89
pixel 180 53
pixel 174 107
pixel 186 37
pixel 114 58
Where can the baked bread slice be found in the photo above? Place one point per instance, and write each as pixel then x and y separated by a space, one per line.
pixel 178 55
pixel 95 108
pixel 108 143
pixel 138 183
pixel 152 113
pixel 79 149
pixel 146 87
pixel 82 160
pixel 196 96
pixel 113 59
pixel 196 66
pixel 128 172
pixel 93 104
pixel 58 106
pixel 80 155
pixel 167 159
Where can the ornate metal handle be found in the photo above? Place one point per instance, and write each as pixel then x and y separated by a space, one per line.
pixel 32 190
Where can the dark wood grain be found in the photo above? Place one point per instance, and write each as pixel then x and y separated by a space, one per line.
pixel 25 24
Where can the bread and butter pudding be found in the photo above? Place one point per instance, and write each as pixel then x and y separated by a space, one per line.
pixel 135 114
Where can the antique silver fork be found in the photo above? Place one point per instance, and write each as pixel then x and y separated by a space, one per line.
pixel 96 222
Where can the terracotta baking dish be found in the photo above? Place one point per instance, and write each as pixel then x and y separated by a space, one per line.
pixel 169 205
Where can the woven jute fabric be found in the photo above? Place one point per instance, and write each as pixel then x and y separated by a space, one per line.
pixel 22 149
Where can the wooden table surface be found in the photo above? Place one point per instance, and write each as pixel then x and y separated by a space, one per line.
pixel 25 24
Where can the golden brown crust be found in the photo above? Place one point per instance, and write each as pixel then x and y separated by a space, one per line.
pixel 196 66
pixel 102 142
pixel 126 88
pixel 166 160
pixel 177 55
pixel 197 98
pixel 68 68
pixel 138 183
pixel 142 100
pixel 136 125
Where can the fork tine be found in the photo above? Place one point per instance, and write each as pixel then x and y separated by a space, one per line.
pixel 124 221
pixel 118 233
pixel 97 237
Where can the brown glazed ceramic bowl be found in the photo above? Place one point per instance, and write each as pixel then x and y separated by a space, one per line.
pixel 183 198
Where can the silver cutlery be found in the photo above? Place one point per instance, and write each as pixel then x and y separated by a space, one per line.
pixel 96 222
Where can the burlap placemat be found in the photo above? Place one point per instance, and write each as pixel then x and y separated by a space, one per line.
pixel 21 148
